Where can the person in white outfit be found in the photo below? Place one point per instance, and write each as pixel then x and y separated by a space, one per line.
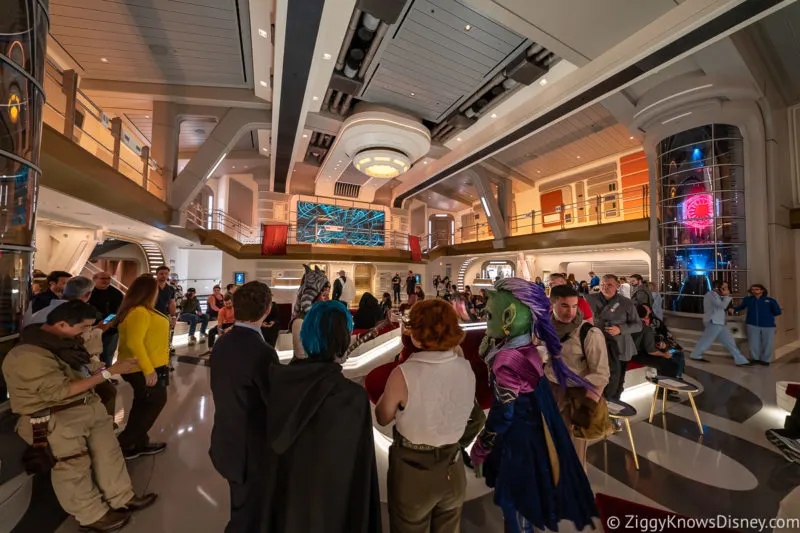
pixel 430 397
pixel 715 304
pixel 625 288
pixel 343 289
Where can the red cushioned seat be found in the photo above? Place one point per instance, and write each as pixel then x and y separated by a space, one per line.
pixel 375 381
pixel 793 390
pixel 633 365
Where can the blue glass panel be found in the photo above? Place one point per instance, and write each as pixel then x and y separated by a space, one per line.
pixel 332 224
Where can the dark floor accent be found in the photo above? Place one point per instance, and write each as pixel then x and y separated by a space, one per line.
pixel 192 360
pixel 44 513
pixel 686 496
pixel 723 397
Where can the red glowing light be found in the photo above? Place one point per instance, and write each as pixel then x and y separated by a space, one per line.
pixel 698 211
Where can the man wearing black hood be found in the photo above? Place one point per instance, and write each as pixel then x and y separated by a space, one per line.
pixel 321 470
pixel 240 363
pixel 369 312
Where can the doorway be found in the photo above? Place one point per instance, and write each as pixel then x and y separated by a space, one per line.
pixel 441 230
pixel 494 270
pixel 363 275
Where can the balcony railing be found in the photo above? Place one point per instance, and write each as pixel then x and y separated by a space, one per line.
pixel 110 140
pixel 629 204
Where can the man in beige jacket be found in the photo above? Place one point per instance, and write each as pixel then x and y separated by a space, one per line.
pixel 586 357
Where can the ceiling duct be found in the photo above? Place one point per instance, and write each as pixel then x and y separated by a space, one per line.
pixel 525 69
pixel 367 28
pixel 347 190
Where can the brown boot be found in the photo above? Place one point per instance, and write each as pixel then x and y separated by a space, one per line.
pixel 111 521
pixel 137 503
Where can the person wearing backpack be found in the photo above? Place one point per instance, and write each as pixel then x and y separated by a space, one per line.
pixel 583 349
pixel 618 318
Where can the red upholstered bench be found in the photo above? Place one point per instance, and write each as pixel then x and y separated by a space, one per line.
pixel 633 365
pixel 793 390
pixel 614 513
pixel 375 382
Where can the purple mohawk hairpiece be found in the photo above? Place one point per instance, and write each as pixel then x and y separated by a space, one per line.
pixel 537 301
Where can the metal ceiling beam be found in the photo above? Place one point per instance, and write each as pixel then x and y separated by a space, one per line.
pixel 181 94
pixel 499 168
pixel 202 166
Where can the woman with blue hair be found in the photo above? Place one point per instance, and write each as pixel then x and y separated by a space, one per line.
pixel 321 472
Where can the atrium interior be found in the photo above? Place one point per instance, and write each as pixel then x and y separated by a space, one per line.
pixel 394 145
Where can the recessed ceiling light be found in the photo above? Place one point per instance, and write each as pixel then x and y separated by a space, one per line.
pixel 263 33
pixel 538 171
pixel 147 116
pixel 578 157
pixel 631 137
pixel 424 162
pixel 315 98
pixel 104 60
pixel 468 27
pixel 412 94
pixel 543 82
pixel 263 83
pixel 305 135
pixel 234 166
pixel 265 149
pixel 458 139
pixel 326 56
pixel 494 115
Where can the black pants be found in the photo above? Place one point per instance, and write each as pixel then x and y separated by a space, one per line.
pixel 664 366
pixel 271 334
pixel 108 395
pixel 147 405
pixel 792 424
pixel 396 294
pixel 213 332
pixel 616 381
pixel 247 502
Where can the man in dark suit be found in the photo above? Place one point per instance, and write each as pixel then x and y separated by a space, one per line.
pixel 240 363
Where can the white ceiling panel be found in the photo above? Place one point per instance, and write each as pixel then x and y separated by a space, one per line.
pixel 437 55
pixel 170 41
pixel 588 27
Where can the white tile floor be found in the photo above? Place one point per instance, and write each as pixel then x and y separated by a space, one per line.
pixel 193 497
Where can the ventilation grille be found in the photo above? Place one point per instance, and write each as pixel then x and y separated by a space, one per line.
pixel 346 190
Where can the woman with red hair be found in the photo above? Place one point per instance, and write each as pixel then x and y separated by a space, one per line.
pixel 430 397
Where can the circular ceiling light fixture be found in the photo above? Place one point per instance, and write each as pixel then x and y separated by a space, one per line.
pixel 382 163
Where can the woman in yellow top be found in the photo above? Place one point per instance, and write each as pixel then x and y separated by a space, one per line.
pixel 144 336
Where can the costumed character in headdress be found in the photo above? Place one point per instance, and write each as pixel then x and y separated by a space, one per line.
pixel 314 287
pixel 525 450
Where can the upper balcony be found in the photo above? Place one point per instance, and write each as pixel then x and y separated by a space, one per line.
pixel 613 218
pixel 112 141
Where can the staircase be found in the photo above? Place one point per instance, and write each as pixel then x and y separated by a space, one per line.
pixel 462 272
pixel 154 254
pixel 90 269
pixel 685 332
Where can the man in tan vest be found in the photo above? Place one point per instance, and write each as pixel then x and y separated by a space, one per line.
pixel 52 390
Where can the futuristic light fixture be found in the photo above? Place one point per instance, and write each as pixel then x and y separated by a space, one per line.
pixel 382 163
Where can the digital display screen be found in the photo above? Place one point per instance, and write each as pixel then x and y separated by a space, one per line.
pixel 238 278
pixel 333 224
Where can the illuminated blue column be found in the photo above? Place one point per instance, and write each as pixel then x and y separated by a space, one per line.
pixel 23 40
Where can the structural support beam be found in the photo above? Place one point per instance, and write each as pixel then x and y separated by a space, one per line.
pixel 179 94
pixel 164 144
pixel 497 208
pixel 215 148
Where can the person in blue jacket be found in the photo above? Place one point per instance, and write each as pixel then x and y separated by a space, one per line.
pixel 761 313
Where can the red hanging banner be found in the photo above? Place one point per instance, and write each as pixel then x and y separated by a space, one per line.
pixel 273 240
pixel 413 245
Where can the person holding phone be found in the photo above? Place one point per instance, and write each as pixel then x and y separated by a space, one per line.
pixel 107 299
pixel 144 336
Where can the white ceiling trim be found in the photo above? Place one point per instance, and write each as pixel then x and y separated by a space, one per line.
pixel 261 37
